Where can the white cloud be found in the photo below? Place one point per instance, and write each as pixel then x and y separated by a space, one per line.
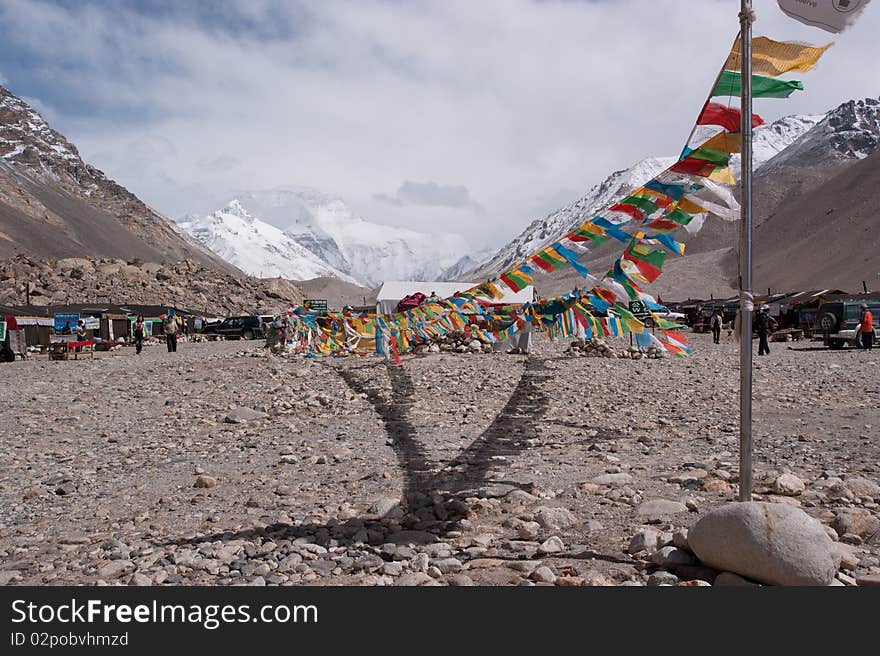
pixel 513 101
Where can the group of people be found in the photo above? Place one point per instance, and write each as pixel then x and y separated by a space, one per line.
pixel 172 327
pixel 765 325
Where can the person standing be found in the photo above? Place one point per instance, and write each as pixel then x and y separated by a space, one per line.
pixel 715 324
pixel 171 328
pixel 866 327
pixel 139 331
pixel 762 325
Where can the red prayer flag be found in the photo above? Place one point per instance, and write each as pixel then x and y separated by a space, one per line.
pixel 626 208
pixel 728 118
pixel 694 166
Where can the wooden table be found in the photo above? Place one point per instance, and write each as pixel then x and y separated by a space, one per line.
pixel 62 350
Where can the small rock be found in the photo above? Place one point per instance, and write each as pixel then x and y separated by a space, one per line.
pixel 115 568
pixel 554 519
pixel 242 415
pixel 543 575
pixel 668 557
pixel 658 510
pixel 613 479
pixel 788 485
pixel 863 487
pixel 205 481
pixel 662 578
pixel 529 530
pixel 140 580
pixel 461 581
pixel 857 521
pixel 448 565
pixel 644 540
pixel 413 579
pixel 551 545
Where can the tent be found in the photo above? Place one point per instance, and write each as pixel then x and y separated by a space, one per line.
pixel 392 292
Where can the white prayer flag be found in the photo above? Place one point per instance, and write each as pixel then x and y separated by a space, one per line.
pixel 830 15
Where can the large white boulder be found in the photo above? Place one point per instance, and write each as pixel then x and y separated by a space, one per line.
pixel 766 542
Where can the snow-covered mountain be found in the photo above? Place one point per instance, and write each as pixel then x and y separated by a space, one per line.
pixel 330 233
pixel 769 141
pixel 257 247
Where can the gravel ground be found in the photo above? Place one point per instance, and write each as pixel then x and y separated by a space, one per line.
pixel 224 465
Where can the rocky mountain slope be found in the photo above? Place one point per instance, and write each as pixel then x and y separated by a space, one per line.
pixel 770 140
pixel 186 284
pixel 53 204
pixel 795 157
pixel 350 247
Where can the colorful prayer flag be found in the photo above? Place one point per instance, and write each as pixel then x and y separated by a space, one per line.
pixel 774 58
pixel 730 84
pixel 726 117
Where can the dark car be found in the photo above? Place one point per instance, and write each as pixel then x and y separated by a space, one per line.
pixel 838 321
pixel 242 327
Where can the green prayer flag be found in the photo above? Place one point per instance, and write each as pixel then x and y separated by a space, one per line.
pixel 730 84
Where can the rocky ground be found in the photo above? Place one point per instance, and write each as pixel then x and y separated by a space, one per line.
pixel 225 465
pixel 186 284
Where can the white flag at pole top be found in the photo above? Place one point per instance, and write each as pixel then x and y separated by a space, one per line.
pixel 830 15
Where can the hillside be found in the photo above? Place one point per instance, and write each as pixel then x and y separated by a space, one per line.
pixel 52 204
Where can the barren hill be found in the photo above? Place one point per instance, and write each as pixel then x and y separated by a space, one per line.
pixel 53 204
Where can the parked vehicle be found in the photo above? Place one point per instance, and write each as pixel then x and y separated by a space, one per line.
pixel 242 327
pixel 838 321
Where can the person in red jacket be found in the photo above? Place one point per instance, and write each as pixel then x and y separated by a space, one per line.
pixel 866 326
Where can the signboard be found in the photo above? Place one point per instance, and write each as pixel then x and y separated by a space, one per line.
pixel 316 305
pixel 92 323
pixel 65 323
pixel 829 15
pixel 2 331
pixel 639 309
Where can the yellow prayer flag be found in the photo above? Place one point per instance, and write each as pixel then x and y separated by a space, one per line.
pixel 689 206
pixel 724 176
pixel 725 141
pixel 774 58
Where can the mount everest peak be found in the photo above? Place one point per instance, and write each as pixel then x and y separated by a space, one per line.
pixel 301 233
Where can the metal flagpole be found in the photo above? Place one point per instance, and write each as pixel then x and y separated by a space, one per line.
pixel 746 18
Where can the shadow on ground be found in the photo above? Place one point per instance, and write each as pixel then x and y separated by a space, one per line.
pixel 433 502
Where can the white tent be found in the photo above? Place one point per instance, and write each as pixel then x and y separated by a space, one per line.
pixel 393 291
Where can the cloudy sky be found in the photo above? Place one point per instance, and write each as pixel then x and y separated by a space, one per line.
pixel 450 115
